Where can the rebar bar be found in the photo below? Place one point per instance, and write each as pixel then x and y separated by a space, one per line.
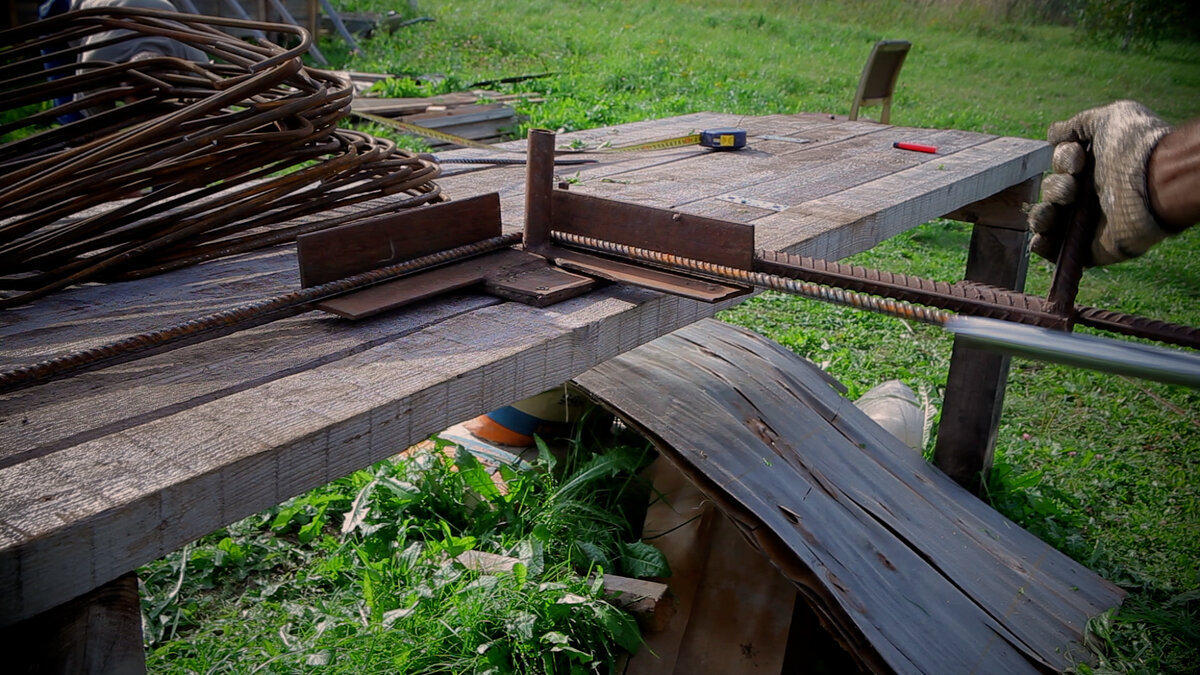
pixel 168 161
pixel 893 294
pixel 234 319
pixel 838 296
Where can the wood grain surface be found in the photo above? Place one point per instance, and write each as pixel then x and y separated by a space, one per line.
pixel 107 470
pixel 913 573
pixel 840 192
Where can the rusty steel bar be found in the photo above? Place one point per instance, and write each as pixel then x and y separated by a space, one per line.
pixel 539 188
pixel 1075 250
pixel 1138 326
pixel 235 319
pixel 760 279
pixel 901 295
pixel 963 297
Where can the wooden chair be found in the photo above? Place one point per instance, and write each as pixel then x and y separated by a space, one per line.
pixel 879 77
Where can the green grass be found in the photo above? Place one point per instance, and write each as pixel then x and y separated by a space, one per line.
pixel 358 576
pixel 623 61
pixel 1103 467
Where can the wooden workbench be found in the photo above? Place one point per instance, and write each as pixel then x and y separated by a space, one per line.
pixel 110 469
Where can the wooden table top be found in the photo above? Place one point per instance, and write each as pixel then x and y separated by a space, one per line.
pixel 107 470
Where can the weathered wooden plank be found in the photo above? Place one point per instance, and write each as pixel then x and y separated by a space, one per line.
pixel 44 419
pixel 606 178
pixel 788 176
pixel 88 513
pixel 993 531
pixel 887 548
pixel 853 220
pixel 391 107
pixel 453 117
pixel 840 194
pixel 824 169
pixel 87 316
pixel 649 601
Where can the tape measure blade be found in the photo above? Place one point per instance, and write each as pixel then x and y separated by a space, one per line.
pixel 429 133
pixel 664 144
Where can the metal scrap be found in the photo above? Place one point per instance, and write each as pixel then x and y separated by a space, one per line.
pixel 170 162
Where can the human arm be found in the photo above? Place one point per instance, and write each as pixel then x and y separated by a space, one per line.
pixel 1173 177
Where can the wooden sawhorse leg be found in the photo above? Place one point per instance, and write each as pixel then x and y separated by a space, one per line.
pixel 98 632
pixel 999 256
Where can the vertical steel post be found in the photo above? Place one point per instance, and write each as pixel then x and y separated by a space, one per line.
pixel 1076 247
pixel 539 188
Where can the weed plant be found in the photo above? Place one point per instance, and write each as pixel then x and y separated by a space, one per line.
pixel 1103 467
pixel 360 575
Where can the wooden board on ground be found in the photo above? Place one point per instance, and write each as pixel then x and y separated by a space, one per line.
pixel 478 115
pixel 679 523
pixel 489 123
pixel 910 571
pixel 396 107
pixel 649 601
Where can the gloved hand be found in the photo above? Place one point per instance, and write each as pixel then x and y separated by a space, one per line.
pixel 1121 135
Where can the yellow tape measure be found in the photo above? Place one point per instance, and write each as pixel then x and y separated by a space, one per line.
pixel 665 144
pixel 717 139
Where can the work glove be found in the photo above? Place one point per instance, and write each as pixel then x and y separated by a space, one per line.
pixel 1121 136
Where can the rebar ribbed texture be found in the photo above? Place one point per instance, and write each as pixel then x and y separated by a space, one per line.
pixel 759 279
pixel 154 164
pixel 243 316
pixel 895 294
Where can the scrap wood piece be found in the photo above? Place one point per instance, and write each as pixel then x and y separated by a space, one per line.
pixel 679 523
pixel 908 570
pixel 649 601
pixel 734 609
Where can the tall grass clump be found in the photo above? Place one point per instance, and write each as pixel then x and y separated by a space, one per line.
pixel 360 575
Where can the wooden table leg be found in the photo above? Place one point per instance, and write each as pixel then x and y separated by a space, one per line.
pixel 999 256
pixel 98 632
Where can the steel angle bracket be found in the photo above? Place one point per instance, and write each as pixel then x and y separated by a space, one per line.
pixel 550 212
pixel 460 231
pixel 456 236
pixel 583 217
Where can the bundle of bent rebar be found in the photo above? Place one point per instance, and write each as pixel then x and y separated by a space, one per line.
pixel 169 161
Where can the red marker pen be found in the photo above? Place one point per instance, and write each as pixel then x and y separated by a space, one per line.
pixel 915 147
